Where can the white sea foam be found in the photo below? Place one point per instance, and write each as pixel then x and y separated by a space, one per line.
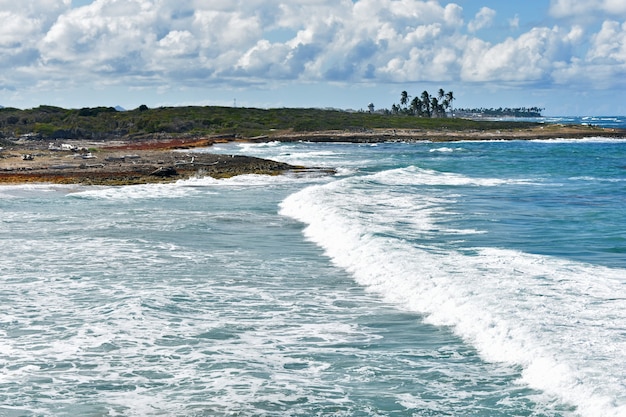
pixel 597 179
pixel 418 176
pixel 177 308
pixel 132 192
pixel 256 180
pixel 24 190
pixel 590 139
pixel 445 149
pixel 560 320
pixel 191 186
pixel 329 155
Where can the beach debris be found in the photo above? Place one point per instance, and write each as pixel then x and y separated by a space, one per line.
pixel 115 158
pixel 28 157
pixel 63 166
pixel 64 147
pixel 87 155
pixel 164 172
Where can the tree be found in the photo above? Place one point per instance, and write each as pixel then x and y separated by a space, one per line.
pixel 416 106
pixel 435 107
pixel 404 98
pixel 425 105
pixel 450 99
pixel 427 102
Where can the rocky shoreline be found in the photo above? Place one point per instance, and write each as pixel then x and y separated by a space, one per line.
pixel 547 131
pixel 155 161
pixel 118 163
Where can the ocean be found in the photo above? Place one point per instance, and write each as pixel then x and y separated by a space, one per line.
pixel 422 279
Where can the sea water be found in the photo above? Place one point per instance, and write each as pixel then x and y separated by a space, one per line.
pixel 422 279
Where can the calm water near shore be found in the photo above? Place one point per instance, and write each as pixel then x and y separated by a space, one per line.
pixel 424 279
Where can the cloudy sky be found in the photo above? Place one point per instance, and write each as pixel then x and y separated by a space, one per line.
pixel 568 56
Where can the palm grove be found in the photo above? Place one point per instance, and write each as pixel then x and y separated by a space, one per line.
pixel 425 105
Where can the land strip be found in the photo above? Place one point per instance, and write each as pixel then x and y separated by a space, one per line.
pixel 443 134
pixel 121 163
pixel 124 162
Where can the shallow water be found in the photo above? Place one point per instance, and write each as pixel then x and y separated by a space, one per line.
pixel 478 279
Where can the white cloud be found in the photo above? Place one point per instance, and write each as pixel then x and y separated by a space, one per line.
pixel 587 8
pixel 21 22
pixel 609 45
pixel 483 19
pixel 102 36
pixel 604 65
pixel 224 42
pixel 529 58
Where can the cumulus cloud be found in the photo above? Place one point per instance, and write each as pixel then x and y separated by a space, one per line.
pixel 529 58
pixel 484 18
pixel 100 35
pixel 586 8
pixel 22 23
pixel 605 62
pixel 184 42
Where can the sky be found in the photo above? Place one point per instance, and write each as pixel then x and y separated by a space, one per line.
pixel 567 56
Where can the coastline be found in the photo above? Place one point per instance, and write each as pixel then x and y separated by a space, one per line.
pixel 547 131
pixel 122 162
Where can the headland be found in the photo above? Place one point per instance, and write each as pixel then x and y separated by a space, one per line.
pixel 104 147
pixel 123 163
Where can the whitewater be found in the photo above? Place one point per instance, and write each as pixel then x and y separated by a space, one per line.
pixel 422 279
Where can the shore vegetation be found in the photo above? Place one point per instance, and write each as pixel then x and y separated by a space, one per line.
pixel 107 123
pixel 440 106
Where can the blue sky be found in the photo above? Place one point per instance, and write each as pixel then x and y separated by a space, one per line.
pixel 568 56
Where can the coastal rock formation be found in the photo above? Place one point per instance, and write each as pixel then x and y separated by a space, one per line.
pixel 123 164
pixel 165 172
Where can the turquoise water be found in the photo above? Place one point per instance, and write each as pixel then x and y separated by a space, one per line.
pixel 461 279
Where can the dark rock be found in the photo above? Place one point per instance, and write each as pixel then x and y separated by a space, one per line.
pixel 164 172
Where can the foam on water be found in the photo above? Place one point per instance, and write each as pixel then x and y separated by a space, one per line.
pixel 21 190
pixel 418 176
pixel 190 187
pixel 196 298
pixel 138 192
pixel 445 149
pixel 124 327
pixel 560 321
pixel 126 312
pixel 581 140
pixel 334 155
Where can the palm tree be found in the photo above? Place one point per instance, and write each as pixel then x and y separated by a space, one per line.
pixel 416 106
pixel 426 101
pixel 445 105
pixel 450 99
pixel 404 98
pixel 435 107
